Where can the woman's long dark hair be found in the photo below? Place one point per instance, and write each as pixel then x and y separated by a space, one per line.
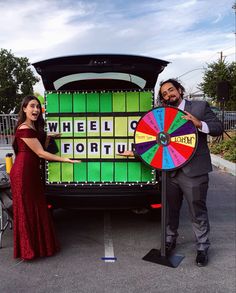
pixel 39 123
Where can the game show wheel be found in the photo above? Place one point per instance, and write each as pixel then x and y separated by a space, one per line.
pixel 164 140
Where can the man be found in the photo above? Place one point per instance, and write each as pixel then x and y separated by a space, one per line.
pixel 190 181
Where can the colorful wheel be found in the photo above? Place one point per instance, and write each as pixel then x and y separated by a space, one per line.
pixel 164 140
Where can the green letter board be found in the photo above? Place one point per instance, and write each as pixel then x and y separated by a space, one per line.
pixel 95 127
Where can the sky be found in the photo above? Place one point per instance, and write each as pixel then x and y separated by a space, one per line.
pixel 187 33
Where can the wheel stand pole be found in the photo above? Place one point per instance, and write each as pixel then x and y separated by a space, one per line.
pixel 159 256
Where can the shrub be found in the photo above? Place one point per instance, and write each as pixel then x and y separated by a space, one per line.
pixel 225 148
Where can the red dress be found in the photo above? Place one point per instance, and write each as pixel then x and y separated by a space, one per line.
pixel 34 234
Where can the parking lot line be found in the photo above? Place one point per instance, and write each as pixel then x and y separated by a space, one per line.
pixel 108 243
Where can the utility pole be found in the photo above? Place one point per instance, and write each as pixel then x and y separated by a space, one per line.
pixel 221 56
pixel 234 8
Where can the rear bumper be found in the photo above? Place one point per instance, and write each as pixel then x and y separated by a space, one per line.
pixel 100 197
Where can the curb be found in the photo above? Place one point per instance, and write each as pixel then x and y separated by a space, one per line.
pixel 223 164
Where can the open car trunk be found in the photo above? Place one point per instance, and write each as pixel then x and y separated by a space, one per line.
pixel 95 102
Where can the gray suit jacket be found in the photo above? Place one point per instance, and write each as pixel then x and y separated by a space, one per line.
pixel 200 163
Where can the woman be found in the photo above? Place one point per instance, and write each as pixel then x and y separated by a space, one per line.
pixel 34 234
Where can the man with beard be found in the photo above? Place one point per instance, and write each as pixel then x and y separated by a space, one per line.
pixel 190 181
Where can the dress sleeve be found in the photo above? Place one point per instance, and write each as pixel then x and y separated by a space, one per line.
pixel 26 133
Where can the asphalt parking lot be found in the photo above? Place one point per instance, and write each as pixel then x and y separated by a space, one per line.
pixel 87 236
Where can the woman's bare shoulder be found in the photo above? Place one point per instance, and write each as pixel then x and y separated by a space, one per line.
pixel 23 126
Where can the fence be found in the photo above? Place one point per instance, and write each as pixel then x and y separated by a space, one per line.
pixel 8 123
pixel 7 127
pixel 229 118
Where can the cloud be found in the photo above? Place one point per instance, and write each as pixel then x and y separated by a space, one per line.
pixel 33 26
pixel 186 33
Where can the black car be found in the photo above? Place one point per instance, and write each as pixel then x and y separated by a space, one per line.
pixel 95 102
pixel 228 118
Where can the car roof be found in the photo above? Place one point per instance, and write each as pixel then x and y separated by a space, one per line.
pixel 100 72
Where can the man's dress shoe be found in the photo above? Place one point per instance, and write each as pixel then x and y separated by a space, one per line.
pixel 202 258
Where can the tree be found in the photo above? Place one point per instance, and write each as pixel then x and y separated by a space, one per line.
pixel 16 81
pixel 216 72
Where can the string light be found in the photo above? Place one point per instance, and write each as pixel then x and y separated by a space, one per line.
pixel 71 183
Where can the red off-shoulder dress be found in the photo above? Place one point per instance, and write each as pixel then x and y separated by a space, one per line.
pixel 33 229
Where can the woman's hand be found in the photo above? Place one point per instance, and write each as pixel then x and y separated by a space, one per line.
pixel 67 160
pixel 53 134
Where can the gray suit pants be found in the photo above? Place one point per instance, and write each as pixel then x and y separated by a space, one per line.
pixel 194 190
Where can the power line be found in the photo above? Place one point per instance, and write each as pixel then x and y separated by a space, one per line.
pixel 190 71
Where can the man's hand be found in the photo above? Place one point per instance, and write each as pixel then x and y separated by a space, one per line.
pixel 192 118
pixel 126 154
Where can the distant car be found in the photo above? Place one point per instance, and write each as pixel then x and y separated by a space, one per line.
pixel 228 117
pixel 215 109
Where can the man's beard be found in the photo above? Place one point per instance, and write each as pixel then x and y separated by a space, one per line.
pixel 174 103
